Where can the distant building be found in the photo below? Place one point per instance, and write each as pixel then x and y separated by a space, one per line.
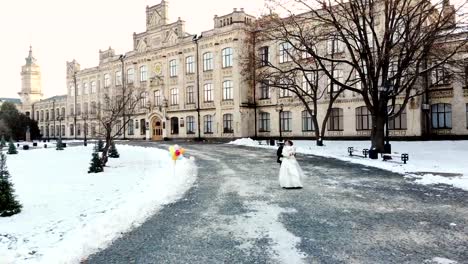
pixel 195 86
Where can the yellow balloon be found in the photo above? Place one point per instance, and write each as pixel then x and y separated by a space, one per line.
pixel 172 150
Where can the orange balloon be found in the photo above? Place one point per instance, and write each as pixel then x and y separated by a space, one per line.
pixel 182 151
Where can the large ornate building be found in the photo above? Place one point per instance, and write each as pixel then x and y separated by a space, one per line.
pixel 194 86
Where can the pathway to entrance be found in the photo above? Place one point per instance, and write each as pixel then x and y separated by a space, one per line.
pixel 346 213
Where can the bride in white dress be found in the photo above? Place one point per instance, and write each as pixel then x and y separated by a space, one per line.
pixel 291 174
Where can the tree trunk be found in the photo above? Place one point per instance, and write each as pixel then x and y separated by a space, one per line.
pixel 324 123
pixel 318 138
pixel 378 132
pixel 105 152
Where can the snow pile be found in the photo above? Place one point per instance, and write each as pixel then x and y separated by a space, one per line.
pixel 245 142
pixel 69 214
pixel 429 161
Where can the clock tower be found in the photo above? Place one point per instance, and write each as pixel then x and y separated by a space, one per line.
pixel 31 86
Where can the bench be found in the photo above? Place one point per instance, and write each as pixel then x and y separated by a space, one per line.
pixel 388 156
pixel 352 151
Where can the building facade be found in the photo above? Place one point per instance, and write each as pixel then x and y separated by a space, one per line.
pixel 195 86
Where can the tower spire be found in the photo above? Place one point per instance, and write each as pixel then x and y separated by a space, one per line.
pixel 30 59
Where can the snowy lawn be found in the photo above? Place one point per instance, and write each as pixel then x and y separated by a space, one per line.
pixel 430 162
pixel 69 214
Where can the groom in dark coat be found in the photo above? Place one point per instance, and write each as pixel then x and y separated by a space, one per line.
pixel 279 152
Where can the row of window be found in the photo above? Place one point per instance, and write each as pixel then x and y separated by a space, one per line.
pixel 207 124
pixel 52 132
pixel 50 114
pixel 335 122
pixel 208 94
pixel 208 65
pixel 441 115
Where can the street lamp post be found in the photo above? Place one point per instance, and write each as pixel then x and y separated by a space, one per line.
pixel 279 109
pixel 122 58
pixel 384 92
pixel 196 39
pixel 60 118
pixel 85 128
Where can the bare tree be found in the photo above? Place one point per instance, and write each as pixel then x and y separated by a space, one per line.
pixel 114 114
pixel 387 47
pixel 297 72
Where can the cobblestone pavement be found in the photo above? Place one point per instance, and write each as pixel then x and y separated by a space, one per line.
pixel 346 213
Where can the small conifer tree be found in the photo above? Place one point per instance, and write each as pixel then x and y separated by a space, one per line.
pixel 96 165
pixel 113 153
pixel 8 203
pixel 12 148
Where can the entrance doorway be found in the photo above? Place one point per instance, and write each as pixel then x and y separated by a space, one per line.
pixel 157 129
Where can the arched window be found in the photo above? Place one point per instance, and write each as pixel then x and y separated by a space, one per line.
pixel 130 76
pixel 208 61
pixel 174 96
pixel 208 92
pixel 85 88
pixel 227 57
pixel 208 124
pixel 264 122
pixel 173 68
pixel 190 125
pixel 143 74
pixel 227 90
pixel 157 97
pixel 107 82
pixel 286 121
pixel 227 123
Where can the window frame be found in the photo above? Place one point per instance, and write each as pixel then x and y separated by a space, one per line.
pixel 307 121
pixel 174 96
pixel 228 90
pixel 438 114
pixel 227 123
pixel 363 118
pixel 190 120
pixel 286 121
pixel 190 95
pixel 173 68
pixel 143 73
pixel 189 64
pixel 399 122
pixel 208 93
pixel 208 124
pixel 335 114
pixel 264 122
pixel 227 57
pixel 264 53
pixel 207 61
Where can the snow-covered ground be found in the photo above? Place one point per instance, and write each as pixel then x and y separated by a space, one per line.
pixel 430 162
pixel 69 214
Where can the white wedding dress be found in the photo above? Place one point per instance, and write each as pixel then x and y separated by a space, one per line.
pixel 291 174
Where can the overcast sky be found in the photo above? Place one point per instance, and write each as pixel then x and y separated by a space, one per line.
pixel 63 30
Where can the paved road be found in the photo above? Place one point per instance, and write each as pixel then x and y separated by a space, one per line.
pixel 346 213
